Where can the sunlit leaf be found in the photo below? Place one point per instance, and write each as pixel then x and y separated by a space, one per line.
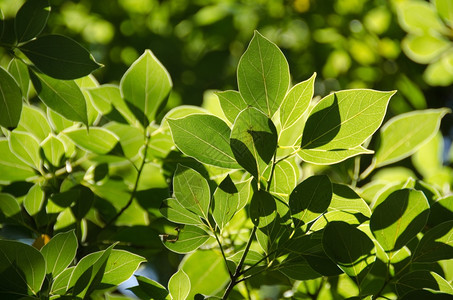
pixel 263 75
pixel 25 146
pixel 34 200
pixel 149 289
pixel 263 209
pixel 338 120
pixel 11 167
pixel 253 140
pixel 145 85
pixel 98 140
pixel 210 145
pixel 172 210
pixel 120 266
pixel 179 285
pixel 399 218
pixel 62 96
pixel 33 120
pixel 59 252
pixel 329 157
pixel 19 71
pixel 53 150
pixel 232 104
pixel 186 240
pixel 406 133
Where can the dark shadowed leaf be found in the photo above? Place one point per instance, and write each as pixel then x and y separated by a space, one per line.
pixel 436 244
pixel 22 269
pixel 263 209
pixel 350 248
pixel 10 100
pixel 422 279
pixel 149 289
pixel 31 19
pixel 59 57
pixel 310 199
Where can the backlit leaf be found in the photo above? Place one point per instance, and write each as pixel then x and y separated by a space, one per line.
pixel 53 150
pixel 9 206
pixel 173 211
pixel 232 104
pixel 330 157
pixel 10 100
pixel 145 85
pixel 296 102
pixel 22 269
pixel 179 285
pixel 419 279
pixel 192 191
pixel 253 140
pixel 424 48
pixel 346 199
pixel 97 140
pixel 210 145
pixel 186 240
pixel 419 17
pixel 34 200
pixel 19 71
pixel 120 266
pixel 263 75
pixel 62 96
pixel 399 218
pixel 33 120
pixel 25 146
pixel 11 167
pixel 338 120
pixel 436 244
pixel 149 289
pixel 59 57
pixel 59 252
pixel 405 134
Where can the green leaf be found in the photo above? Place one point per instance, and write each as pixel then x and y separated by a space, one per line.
pixel 9 206
pixel 285 178
pixel 330 157
pixel 424 48
pixel 131 138
pixel 405 134
pixel 33 120
pixel 11 167
pixel 19 72
pixel 179 285
pixel 207 272
pixel 232 104
pixel 59 57
pixel 436 244
pixel 445 10
pixel 253 140
pixel 419 17
pixel 229 198
pixel 10 100
pixel 173 211
pixel 64 97
pixel 59 252
pixel 422 279
pixel 252 257
pixel 336 122
pixel 399 218
pixel 24 146
pixel 337 215
pixel 346 199
pixel 88 272
pixel 425 294
pixel 97 140
pixel 34 200
pixel 149 289
pixel 31 19
pixel 60 284
pixel 120 266
pixel 22 269
pixel 310 199
pixel 53 149
pixel 108 95
pixel 441 211
pixel 145 85
pixel 350 248
pixel 263 75
pixel 296 102
pixel 192 191
pixel 188 239
pixel 210 145
pixel 263 209
pixel 296 267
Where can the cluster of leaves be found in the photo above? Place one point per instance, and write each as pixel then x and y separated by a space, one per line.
pixel 91 166
pixel 429 39
pixel 310 229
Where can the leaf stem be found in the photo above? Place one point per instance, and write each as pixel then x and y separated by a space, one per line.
pixel 134 190
pixel 223 253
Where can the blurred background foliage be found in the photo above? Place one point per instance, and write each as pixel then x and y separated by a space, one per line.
pixel 350 44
